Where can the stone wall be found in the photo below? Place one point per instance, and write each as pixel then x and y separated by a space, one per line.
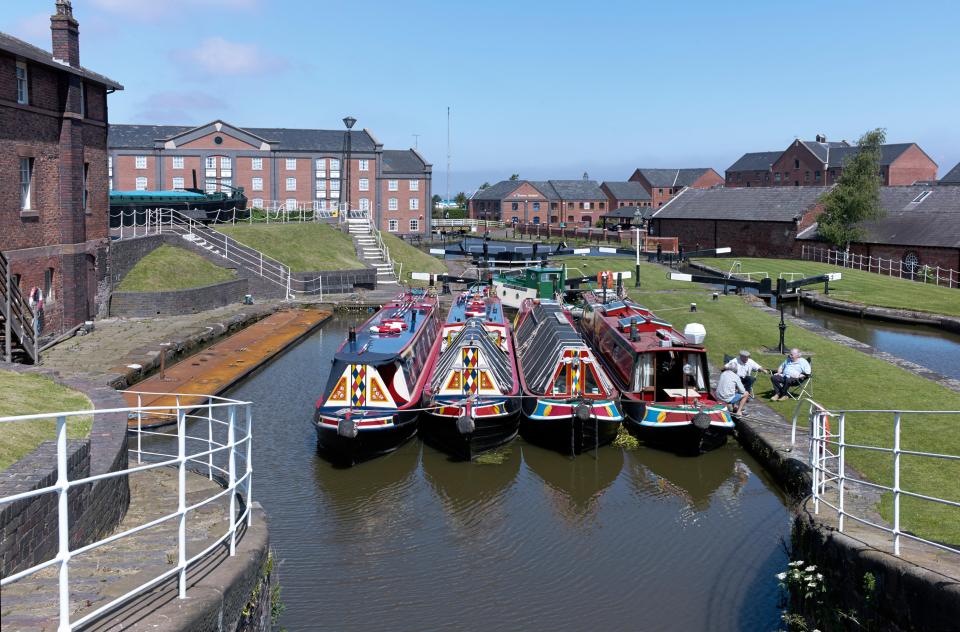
pixel 176 302
pixel 125 253
pixel 29 528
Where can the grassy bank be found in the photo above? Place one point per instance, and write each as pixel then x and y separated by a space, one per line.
pixel 413 259
pixel 858 286
pixel 302 247
pixel 27 394
pixel 843 379
pixel 172 268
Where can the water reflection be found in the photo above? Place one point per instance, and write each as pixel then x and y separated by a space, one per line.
pixel 574 486
pixel 695 480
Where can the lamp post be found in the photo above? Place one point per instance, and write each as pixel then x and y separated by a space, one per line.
pixel 349 121
pixel 637 218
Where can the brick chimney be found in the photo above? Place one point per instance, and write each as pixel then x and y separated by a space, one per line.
pixel 66 34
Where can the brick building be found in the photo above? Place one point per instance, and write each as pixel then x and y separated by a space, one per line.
pixel 53 157
pixel 754 222
pixel 820 163
pixel 663 184
pixel 621 194
pixel 575 202
pixel 277 168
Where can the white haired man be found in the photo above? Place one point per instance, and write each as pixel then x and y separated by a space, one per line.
pixel 730 389
pixel 793 370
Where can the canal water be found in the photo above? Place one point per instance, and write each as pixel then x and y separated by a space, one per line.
pixel 534 541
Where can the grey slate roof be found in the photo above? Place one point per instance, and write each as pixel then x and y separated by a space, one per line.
pixel 544 187
pixel 578 190
pixel 772 204
pixel 934 221
pixel 33 53
pixel 673 177
pixel 497 191
pixel 888 153
pixel 550 189
pixel 628 212
pixel 626 190
pixel 144 136
pixel 824 150
pixel 756 161
pixel 405 161
pixel 952 177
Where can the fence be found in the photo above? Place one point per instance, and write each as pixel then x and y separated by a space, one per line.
pixel 649 243
pixel 830 478
pixel 890 267
pixel 466 223
pixel 216 456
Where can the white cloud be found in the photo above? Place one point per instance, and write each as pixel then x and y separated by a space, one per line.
pixel 180 108
pixel 34 29
pixel 219 56
pixel 151 9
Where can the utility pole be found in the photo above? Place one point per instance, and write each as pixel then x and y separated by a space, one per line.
pixel 448 153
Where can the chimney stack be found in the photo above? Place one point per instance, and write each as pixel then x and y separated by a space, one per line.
pixel 66 34
pixel 821 138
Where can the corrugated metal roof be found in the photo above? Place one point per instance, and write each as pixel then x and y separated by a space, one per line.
pixel 772 204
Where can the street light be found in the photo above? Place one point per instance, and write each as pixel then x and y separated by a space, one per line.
pixel 637 218
pixel 349 121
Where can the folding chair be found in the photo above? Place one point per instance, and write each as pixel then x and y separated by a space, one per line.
pixel 803 388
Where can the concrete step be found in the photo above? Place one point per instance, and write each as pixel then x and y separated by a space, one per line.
pixel 381 265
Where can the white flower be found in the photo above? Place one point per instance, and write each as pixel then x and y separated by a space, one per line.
pixel 811 585
pixel 796 563
pixel 781 576
pixel 819 576
pixel 810 568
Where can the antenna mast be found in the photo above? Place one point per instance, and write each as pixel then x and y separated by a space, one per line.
pixel 448 152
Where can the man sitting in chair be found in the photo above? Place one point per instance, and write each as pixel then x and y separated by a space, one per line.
pixel 794 370
pixel 730 389
pixel 745 366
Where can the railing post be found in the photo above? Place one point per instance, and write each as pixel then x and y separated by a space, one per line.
pixel 814 464
pixel 210 439
pixel 63 523
pixel 6 321
pixel 232 469
pixel 182 499
pixel 842 470
pixel 139 427
pixel 249 464
pixel 896 483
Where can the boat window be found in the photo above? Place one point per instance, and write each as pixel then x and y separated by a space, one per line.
pixel 696 360
pixel 590 385
pixel 643 372
pixel 560 382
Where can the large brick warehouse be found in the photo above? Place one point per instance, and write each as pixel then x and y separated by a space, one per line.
pixel 53 157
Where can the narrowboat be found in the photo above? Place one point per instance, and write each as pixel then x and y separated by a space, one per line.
pixel 372 398
pixel 569 402
pixel 662 374
pixel 471 401
pixel 128 208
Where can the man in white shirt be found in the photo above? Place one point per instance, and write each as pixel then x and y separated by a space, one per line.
pixel 792 371
pixel 730 389
pixel 745 368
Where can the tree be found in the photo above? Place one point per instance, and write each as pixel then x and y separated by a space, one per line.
pixel 485 185
pixel 515 177
pixel 856 196
pixel 436 200
pixel 461 199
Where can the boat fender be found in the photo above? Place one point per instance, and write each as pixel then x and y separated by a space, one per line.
pixel 465 424
pixel 347 428
pixel 701 421
pixel 582 411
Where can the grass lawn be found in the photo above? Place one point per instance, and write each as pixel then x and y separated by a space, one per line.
pixel 652 276
pixel 303 247
pixel 858 286
pixel 27 394
pixel 843 379
pixel 172 268
pixel 412 258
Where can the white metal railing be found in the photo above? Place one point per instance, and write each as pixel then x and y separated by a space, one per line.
pixel 467 222
pixel 830 476
pixel 395 267
pixel 936 275
pixel 202 410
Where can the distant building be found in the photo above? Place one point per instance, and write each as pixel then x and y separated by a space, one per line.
pixel 663 184
pixel 621 194
pixel 573 202
pixel 277 168
pixel 53 157
pixel 952 177
pixel 820 163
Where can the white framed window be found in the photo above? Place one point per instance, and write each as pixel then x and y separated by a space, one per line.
pixel 256 184
pixel 414 204
pixel 140 162
pixel 364 204
pixel 322 205
pixel 291 164
pixel 364 165
pixel 393 204
pixel 334 164
pixel 256 164
pixel 334 185
pixel 321 164
pixel 364 184
pixel 178 162
pixel 291 184
pixel 178 182
pixel 26 184
pixel 210 186
pixel 393 185
pixel 210 162
pixel 321 193
pixel 414 226
pixel 110 184
pixel 257 202
pixel 291 204
pixel 414 185
pixel 393 225
pixel 226 184
pixel 225 163
pixel 586 206
pixel 23 83
pixel 141 183
pixel 109 165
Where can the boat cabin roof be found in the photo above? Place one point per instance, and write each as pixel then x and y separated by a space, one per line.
pixel 384 336
pixel 493 357
pixel 541 337
pixel 651 332
pixel 476 305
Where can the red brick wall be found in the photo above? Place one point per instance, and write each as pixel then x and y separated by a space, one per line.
pixel 709 179
pixel 790 173
pixel 910 166
pixel 207 142
pixel 748 179
pixel 403 214
pixel 948 258
pixel 747 239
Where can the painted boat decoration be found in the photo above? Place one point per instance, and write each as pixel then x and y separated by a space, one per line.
pixel 569 404
pixel 661 373
pixel 472 393
pixel 372 398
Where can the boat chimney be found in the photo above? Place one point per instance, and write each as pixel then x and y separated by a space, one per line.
pixel 413 318
pixel 352 335
pixel 633 330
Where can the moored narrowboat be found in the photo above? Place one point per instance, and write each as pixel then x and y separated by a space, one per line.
pixel 569 403
pixel 471 400
pixel 662 374
pixel 372 398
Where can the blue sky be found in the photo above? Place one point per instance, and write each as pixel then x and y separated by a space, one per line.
pixel 546 90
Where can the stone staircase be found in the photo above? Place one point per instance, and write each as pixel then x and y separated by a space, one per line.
pixel 371 250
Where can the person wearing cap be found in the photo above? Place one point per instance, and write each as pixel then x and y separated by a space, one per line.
pixel 730 389
pixel 745 368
